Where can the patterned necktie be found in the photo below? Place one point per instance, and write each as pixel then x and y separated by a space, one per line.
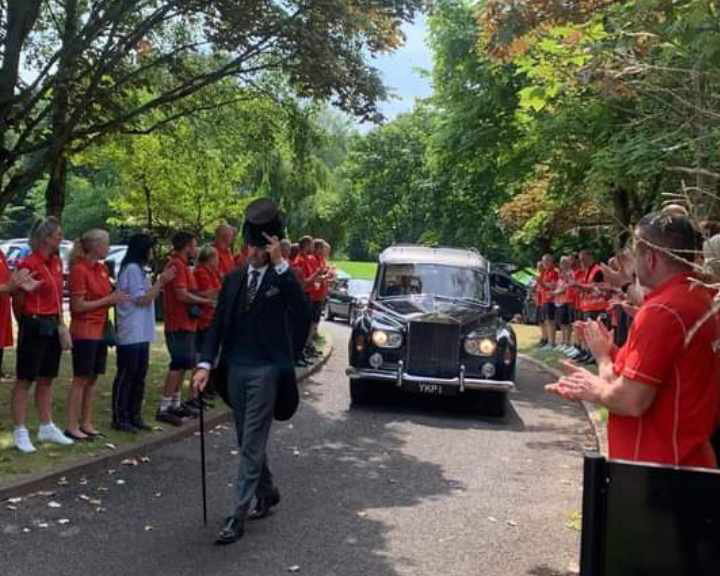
pixel 253 286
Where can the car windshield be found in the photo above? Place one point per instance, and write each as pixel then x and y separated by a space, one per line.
pixel 434 279
pixel 357 287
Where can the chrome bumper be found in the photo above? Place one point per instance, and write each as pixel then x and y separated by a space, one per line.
pixel 461 382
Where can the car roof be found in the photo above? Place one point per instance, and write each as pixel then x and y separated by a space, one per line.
pixel 411 254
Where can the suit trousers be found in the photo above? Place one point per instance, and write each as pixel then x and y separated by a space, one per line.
pixel 252 390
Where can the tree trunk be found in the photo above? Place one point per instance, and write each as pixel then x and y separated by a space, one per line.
pixel 622 210
pixel 148 208
pixel 55 192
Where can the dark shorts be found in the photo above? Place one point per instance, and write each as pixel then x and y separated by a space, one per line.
pixel 38 349
pixel 316 309
pixel 181 346
pixel 565 314
pixel 89 358
pixel 548 311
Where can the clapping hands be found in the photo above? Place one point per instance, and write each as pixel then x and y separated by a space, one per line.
pixel 24 280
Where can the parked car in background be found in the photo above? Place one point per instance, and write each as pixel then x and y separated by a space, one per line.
pixel 430 328
pixel 507 293
pixel 114 259
pixel 18 248
pixel 348 297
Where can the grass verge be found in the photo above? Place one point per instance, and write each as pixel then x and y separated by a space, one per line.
pixel 365 270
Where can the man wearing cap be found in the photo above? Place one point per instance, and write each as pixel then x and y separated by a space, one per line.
pixel 260 307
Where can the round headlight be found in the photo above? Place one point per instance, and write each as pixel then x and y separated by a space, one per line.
pixel 480 346
pixel 386 339
pixel 380 338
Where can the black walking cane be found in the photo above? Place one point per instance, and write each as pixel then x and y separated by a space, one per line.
pixel 202 456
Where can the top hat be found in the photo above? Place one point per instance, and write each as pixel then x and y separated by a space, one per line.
pixel 262 216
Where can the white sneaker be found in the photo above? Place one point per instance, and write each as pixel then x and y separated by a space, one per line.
pixel 52 434
pixel 559 348
pixel 21 437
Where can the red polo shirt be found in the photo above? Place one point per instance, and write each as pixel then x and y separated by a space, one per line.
pixel 324 289
pixel 589 300
pixel 177 318
pixel 226 261
pixel 207 279
pixel 91 281
pixel 579 275
pixel 241 258
pixel 548 280
pixel 677 426
pixel 6 333
pixel 45 299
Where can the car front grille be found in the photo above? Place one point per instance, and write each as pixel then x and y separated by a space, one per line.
pixel 433 349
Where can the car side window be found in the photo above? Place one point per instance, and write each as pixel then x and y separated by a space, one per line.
pixel 501 282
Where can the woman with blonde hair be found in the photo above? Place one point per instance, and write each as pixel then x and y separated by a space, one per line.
pixel 41 337
pixel 91 297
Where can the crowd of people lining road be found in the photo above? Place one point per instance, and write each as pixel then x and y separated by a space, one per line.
pixel 189 284
pixel 648 320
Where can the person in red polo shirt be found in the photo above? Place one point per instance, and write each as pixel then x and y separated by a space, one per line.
pixel 224 238
pixel 41 337
pixel 312 272
pixel 564 303
pixel 10 283
pixel 209 281
pixel 91 297
pixel 182 308
pixel 662 388
pixel 592 303
pixel 547 281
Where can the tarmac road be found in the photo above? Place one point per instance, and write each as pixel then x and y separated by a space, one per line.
pixel 407 488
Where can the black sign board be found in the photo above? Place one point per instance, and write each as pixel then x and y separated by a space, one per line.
pixel 649 520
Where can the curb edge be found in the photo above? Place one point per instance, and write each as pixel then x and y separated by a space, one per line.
pixel 89 465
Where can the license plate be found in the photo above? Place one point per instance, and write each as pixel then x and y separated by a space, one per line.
pixel 431 389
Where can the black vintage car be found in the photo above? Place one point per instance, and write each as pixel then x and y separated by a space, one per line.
pixel 430 328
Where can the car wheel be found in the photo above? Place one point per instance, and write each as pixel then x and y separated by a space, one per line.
pixel 494 403
pixel 359 392
pixel 329 316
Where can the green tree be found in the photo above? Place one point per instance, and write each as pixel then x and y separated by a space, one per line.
pixel 100 67
pixel 391 193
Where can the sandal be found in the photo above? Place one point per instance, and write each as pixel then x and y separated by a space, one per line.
pixel 92 435
pixel 75 437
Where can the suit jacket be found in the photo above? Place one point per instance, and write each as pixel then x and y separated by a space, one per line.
pixel 279 311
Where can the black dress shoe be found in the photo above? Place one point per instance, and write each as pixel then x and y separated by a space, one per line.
pixel 142 425
pixel 264 504
pixel 232 531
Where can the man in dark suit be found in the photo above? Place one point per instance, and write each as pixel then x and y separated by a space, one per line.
pixel 251 337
